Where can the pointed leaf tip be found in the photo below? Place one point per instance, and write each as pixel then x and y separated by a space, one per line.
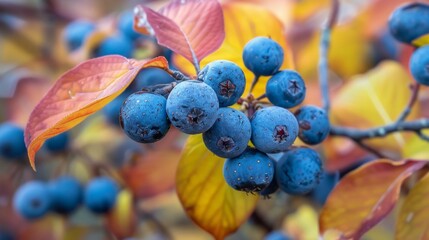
pixel 80 92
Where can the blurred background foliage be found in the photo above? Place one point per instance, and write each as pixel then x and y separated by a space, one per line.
pixel 33 54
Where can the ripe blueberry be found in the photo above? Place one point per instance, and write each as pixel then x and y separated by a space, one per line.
pixel 12 144
pixel 230 134
pixel 100 194
pixel 6 235
pixel 192 107
pixel 252 171
pixel 76 32
pixel 313 124
pixel 274 129
pixel 299 171
pixel 118 44
pixel 149 77
pixel 227 80
pixel 409 22
pixel 286 89
pixel 58 143
pixel 32 200
pixel 66 194
pixel 143 117
pixel 419 65
pixel 125 25
pixel 263 56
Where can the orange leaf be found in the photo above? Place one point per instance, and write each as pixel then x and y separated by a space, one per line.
pixel 413 220
pixel 79 93
pixel 241 26
pixel 191 28
pixel 365 196
pixel 204 194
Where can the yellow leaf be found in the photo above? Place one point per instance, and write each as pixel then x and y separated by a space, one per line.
pixel 122 220
pixel 413 220
pixel 204 194
pixel 303 223
pixel 241 26
pixel 423 40
pixel 348 55
pixel 374 99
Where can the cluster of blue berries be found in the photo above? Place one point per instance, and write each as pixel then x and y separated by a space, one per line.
pixel 204 106
pixel 12 146
pixel 64 195
pixel 123 42
pixel 408 24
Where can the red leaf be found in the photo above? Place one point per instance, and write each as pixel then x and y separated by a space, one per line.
pixel 79 93
pixel 191 28
pixel 365 196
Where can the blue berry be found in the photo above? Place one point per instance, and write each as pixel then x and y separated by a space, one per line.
pixel 111 110
pixel 192 107
pixel 313 124
pixel 273 186
pixel 327 183
pixel 126 25
pixel 252 171
pixel 226 78
pixel 286 89
pixel 115 45
pixel 263 56
pixel 76 32
pixel 12 144
pixel 66 194
pixel 100 194
pixel 143 117
pixel 274 129
pixel 230 134
pixel 299 171
pixel 277 235
pixel 409 22
pixel 419 65
pixel 58 143
pixel 32 200
pixel 151 76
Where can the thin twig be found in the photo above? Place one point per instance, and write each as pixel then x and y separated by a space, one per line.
pixel 159 226
pixel 382 131
pixel 261 97
pixel 323 55
pixel 255 80
pixel 413 99
pixel 369 149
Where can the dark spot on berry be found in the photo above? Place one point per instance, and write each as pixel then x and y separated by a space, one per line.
pixel 35 203
pixel 174 119
pixel 195 116
pixel 226 144
pixel 293 87
pixel 304 125
pixel 280 133
pixel 227 88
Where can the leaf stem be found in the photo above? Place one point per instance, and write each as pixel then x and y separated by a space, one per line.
pixel 255 80
pixel 369 149
pixel 323 55
pixel 413 99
